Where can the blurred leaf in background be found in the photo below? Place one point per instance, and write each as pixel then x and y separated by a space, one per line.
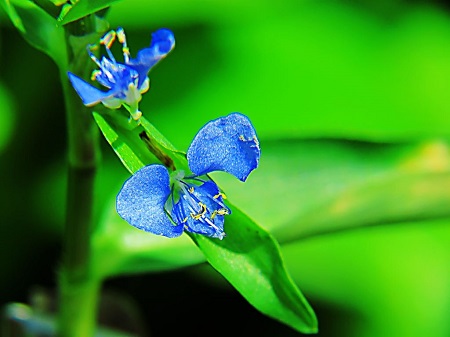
pixel 302 68
pixel 7 117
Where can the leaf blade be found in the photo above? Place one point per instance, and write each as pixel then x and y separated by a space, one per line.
pixel 77 9
pixel 249 258
pixel 127 156
pixel 38 28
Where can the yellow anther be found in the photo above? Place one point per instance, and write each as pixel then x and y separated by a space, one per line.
pixel 93 47
pixel 94 75
pixel 184 220
pixel 108 39
pixel 241 137
pixel 222 211
pixel 200 213
pixel 121 35
pixel 126 50
pixel 191 189
pixel 220 194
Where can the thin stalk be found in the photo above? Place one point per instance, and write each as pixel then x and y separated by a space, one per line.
pixel 78 289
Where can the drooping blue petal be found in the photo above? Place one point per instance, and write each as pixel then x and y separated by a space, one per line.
pixel 163 41
pixel 226 144
pixel 201 210
pixel 141 201
pixel 89 94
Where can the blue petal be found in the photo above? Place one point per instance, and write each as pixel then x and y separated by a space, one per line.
pixel 163 41
pixel 210 195
pixel 209 224
pixel 226 144
pixel 89 94
pixel 141 201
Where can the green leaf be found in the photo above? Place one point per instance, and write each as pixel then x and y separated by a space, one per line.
pixel 321 186
pixel 130 158
pixel 250 260
pixel 157 135
pixel 248 257
pixel 161 145
pixel 53 8
pixel 76 9
pixel 132 143
pixel 38 28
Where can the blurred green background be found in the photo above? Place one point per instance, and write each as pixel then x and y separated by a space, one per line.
pixel 351 103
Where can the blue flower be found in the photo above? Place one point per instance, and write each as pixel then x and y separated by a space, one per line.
pixel 127 81
pixel 167 204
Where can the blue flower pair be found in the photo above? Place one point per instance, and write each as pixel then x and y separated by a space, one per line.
pixel 167 204
pixel 126 81
pixel 152 199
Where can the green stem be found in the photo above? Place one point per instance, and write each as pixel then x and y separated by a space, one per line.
pixel 78 307
pixel 78 289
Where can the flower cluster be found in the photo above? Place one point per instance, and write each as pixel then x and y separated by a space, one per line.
pixel 126 81
pixel 167 204
pixel 152 199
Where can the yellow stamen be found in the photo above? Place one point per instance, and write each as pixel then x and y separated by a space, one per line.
pixel 200 213
pixel 191 189
pixel 222 211
pixel 94 75
pixel 121 35
pixel 220 194
pixel 108 39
